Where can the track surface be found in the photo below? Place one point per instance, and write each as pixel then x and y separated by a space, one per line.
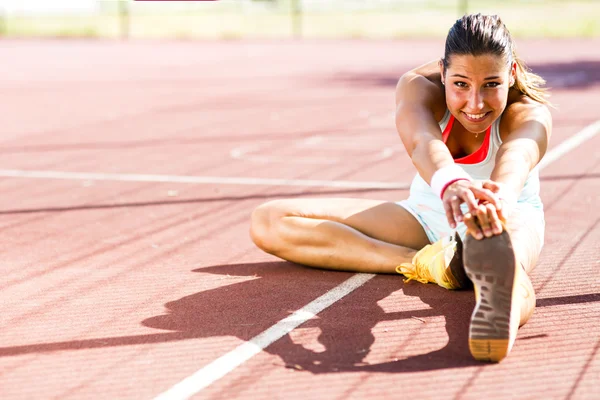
pixel 124 284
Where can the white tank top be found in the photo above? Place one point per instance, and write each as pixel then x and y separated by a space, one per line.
pixel 483 169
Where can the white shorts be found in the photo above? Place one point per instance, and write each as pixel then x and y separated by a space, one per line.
pixel 430 213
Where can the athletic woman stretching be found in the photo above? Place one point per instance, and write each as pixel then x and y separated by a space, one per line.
pixel 475 125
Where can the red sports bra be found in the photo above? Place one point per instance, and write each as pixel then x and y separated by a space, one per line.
pixel 479 155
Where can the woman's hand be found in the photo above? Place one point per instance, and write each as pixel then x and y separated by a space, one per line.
pixel 485 222
pixel 478 196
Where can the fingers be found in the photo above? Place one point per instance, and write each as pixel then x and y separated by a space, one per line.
pixel 485 222
pixel 506 197
pixel 471 201
pixel 453 212
pixel 472 226
pixel 456 211
pixel 477 197
pixel 494 220
pixel 491 185
pixel 484 204
pixel 456 194
pixel 487 195
pixel 501 212
pixel 449 214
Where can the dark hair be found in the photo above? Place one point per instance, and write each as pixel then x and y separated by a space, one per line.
pixel 478 34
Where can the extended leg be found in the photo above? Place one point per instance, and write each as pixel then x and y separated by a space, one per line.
pixel 505 298
pixel 527 247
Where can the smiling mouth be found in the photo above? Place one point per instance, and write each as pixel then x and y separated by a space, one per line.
pixel 476 117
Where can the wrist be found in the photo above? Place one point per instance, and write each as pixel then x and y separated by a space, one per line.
pixel 446 176
pixel 450 183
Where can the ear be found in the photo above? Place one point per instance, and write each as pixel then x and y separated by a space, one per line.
pixel 513 73
pixel 442 73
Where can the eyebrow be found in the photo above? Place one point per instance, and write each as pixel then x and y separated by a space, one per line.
pixel 466 77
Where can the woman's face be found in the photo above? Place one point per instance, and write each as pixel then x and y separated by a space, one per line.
pixel 477 89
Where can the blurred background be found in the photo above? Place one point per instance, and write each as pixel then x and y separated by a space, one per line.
pixel 279 19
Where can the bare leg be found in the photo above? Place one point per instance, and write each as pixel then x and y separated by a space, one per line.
pixel 342 234
pixel 527 247
pixel 505 298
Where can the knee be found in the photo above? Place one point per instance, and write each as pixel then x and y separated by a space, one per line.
pixel 264 225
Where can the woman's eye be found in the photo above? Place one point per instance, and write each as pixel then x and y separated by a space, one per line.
pixel 460 84
pixel 493 84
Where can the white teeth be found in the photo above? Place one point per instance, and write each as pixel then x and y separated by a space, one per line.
pixel 476 116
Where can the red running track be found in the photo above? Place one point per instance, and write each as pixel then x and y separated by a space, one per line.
pixel 116 287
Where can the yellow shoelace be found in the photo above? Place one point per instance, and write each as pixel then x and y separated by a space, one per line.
pixel 417 271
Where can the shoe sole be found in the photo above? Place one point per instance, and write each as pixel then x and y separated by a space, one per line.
pixel 490 264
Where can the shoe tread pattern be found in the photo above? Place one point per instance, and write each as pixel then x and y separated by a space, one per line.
pixel 490 264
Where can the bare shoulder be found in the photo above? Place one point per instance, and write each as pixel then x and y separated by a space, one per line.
pixel 422 86
pixel 524 116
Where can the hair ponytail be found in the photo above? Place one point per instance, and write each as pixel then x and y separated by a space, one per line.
pixel 529 83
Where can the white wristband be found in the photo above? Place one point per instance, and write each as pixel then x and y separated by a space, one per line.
pixel 445 176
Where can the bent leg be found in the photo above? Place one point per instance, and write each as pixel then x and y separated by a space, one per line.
pixel 343 234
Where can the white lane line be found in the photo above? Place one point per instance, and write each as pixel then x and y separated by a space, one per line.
pixel 228 362
pixel 219 180
pixel 552 155
pixel 566 146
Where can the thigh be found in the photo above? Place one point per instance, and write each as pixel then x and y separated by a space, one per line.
pixel 381 220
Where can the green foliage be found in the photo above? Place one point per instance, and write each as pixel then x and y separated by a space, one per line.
pixel 234 19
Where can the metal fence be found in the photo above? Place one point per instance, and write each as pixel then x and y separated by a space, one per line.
pixel 229 19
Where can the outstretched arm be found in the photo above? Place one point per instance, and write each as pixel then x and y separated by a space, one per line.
pixel 417 94
pixel 417 126
pixel 527 130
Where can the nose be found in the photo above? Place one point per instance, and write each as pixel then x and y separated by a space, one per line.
pixel 475 102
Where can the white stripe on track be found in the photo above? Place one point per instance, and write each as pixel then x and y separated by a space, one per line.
pixel 554 154
pixel 90 176
pixel 228 362
pixel 566 146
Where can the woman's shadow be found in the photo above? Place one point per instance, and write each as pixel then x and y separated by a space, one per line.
pixel 261 294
